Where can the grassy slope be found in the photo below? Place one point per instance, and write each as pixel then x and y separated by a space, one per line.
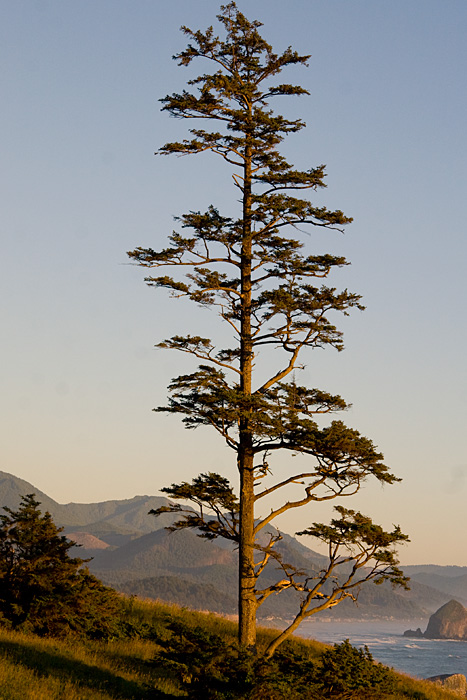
pixel 45 669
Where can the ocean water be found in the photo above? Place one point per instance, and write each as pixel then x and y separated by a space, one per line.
pixel 421 658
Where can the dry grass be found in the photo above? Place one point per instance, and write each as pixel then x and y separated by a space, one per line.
pixel 46 669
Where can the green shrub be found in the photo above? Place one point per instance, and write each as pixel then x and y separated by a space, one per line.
pixel 209 667
pixel 204 663
pixel 289 675
pixel 348 672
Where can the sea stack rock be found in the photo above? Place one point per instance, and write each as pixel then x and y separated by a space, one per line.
pixel 449 622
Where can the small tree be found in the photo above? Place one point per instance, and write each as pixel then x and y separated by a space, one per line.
pixel 351 674
pixel 269 295
pixel 42 588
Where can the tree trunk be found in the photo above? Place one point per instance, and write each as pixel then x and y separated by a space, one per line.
pixel 247 599
pixel 247 579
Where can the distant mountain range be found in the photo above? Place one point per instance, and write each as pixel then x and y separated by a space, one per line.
pixel 132 551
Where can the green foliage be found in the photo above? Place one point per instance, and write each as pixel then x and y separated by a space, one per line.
pixel 205 664
pixel 210 667
pixel 42 588
pixel 289 675
pixel 209 492
pixel 364 543
pixel 348 672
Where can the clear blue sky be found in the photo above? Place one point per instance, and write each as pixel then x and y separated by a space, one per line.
pixel 79 123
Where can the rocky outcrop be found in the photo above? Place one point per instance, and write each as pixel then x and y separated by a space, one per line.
pixel 455 682
pixel 449 622
pixel 414 633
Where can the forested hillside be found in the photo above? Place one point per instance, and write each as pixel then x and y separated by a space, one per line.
pixel 144 559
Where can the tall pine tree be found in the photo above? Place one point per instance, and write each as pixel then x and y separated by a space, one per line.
pixel 268 293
